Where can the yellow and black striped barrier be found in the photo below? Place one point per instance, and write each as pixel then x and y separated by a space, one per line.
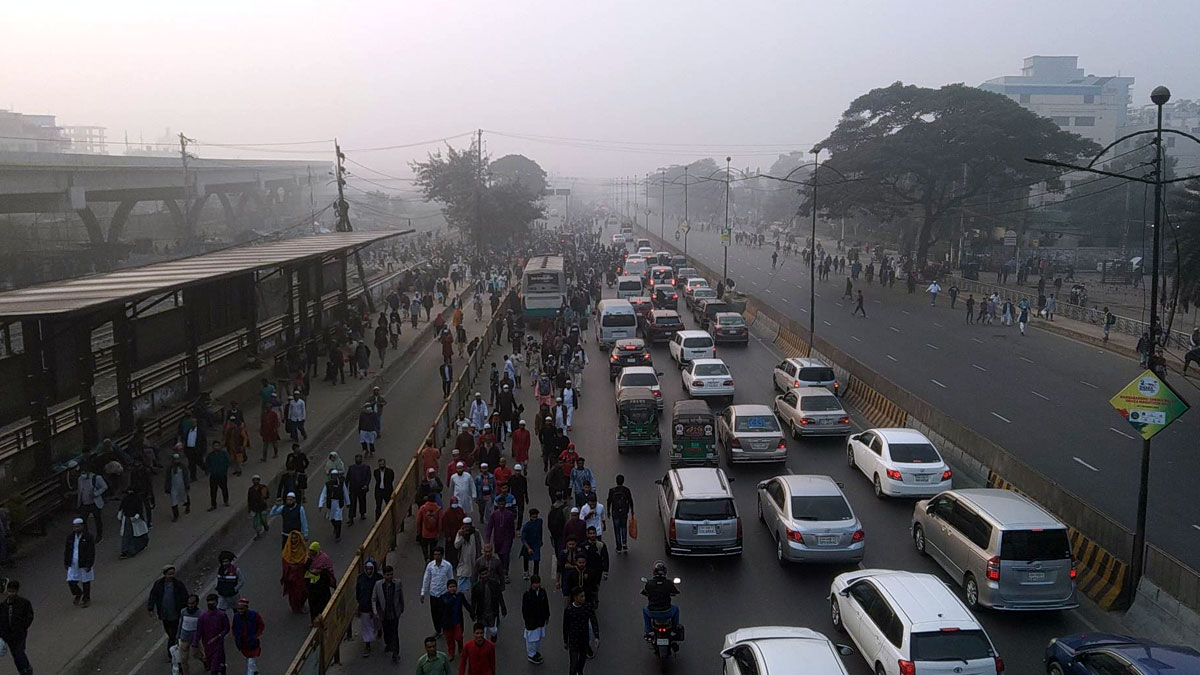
pixel 879 410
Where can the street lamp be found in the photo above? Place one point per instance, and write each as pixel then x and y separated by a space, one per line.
pixel 725 236
pixel 686 227
pixel 662 208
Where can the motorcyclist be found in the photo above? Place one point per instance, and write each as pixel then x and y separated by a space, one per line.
pixel 658 591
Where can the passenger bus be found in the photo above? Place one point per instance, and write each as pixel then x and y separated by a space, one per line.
pixel 543 286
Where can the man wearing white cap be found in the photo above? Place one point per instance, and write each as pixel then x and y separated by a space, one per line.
pixel 478 413
pixel 79 557
pixel 563 416
pixel 462 485
pixel 335 497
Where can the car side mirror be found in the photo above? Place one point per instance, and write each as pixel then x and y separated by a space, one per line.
pixel 929 509
pixel 730 478
pixel 762 484
pixel 658 373
pixel 845 592
pixel 657 482
pixel 845 650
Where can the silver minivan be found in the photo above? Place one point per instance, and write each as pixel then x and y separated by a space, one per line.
pixel 698 513
pixel 1002 548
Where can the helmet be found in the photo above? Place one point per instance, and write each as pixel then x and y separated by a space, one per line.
pixel 660 568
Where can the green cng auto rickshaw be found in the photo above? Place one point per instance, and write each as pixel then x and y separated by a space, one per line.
pixel 637 420
pixel 693 434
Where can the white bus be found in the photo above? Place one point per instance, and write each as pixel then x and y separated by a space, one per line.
pixel 543 286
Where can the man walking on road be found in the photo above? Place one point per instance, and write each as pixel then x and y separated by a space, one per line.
pixel 438 573
pixel 358 478
pixel 479 655
pixel 620 508
pixel 79 559
pixel 217 465
pixel 535 610
pixel 446 373
pixel 385 482
pixel 247 628
pixel 578 619
pixel 168 597
pixel 433 662
pixel 297 414
pixel 256 501
pixel 858 306
pixel 970 303
pixel 933 290
pixel 953 295
pixel 387 600
pixel 16 616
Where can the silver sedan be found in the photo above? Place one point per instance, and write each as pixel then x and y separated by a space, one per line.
pixel 812 411
pixel 810 519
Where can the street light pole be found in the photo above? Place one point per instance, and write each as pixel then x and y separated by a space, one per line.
pixel 685 210
pixel 725 262
pixel 812 259
pixel 662 208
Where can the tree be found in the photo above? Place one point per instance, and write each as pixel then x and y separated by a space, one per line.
pixel 1183 231
pixel 705 182
pixel 520 170
pixel 922 153
pixel 479 208
pixel 781 203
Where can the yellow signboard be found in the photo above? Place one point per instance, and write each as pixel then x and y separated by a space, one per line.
pixel 1149 404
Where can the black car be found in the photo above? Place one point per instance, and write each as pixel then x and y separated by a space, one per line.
pixel 729 327
pixel 704 313
pixel 665 297
pixel 662 324
pixel 631 352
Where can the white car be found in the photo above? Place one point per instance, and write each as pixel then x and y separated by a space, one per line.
pixel 688 345
pixel 812 411
pixel 906 623
pixel 899 462
pixel 639 376
pixel 780 650
pixel 705 378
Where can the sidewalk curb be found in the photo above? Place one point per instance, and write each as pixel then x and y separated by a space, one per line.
pixel 93 651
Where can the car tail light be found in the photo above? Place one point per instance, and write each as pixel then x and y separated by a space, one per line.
pixel 894 474
pixel 835 386
pixel 735 443
pixel 697 383
pixel 657 394
pixel 858 536
pixel 727 383
pixel 805 421
pixel 739 522
pixel 993 568
pixel 947 474
pixel 661 629
pixel 671 530
pixel 1074 572
pixel 646 357
pixel 674 296
pixel 795 535
pixel 795 384
pixel 782 444
pixel 844 420
pixel 907 667
pixel 999 666
pixel 615 358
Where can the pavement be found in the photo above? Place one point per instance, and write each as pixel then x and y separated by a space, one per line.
pixel 719 595
pixel 1043 396
pixel 114 628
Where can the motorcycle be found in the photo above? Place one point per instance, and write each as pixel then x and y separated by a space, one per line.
pixel 664 638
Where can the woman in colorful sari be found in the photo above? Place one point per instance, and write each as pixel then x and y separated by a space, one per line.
pixel 320 579
pixel 295 559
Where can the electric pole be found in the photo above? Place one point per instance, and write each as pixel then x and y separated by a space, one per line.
pixel 662 207
pixel 189 218
pixel 342 208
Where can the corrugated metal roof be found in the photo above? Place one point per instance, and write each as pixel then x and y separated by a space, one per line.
pixel 91 292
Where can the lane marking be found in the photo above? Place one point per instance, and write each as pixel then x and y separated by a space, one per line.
pixel 938 324
pixel 1001 418
pixel 931 346
pixel 1025 359
pixel 905 311
pixel 977 340
pixel 826 322
pixel 1196 526
pixel 768 290
pixel 1086 464
pixel 855 339
pixel 1043 397
pixel 943 386
pixel 893 328
pixel 878 302
pixel 1118 431
pixel 758 268
pixel 892 358
pixel 804 310
pixel 818 295
pixel 785 299
pixel 839 304
pixel 1088 384
pixel 976 366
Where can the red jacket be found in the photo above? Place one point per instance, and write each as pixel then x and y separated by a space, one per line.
pixel 477 659
pixel 520 445
pixel 429 517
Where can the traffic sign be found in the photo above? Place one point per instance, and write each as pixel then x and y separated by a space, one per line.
pixel 1149 404
pixel 1010 238
pixel 684 227
pixel 726 235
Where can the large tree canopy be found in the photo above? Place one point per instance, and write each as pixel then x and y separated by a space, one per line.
pixel 479 207
pixel 519 170
pixel 921 153
pixel 1183 230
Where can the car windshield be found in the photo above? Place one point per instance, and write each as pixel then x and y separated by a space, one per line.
pixel 731 321
pixel 630 286
pixel 711 369
pixel 950 645
pixel 705 292
pixel 706 509
pixel 820 403
pixel 639 380
pixel 817 374
pixel 697 342
pixel 825 507
pixel 755 423
pixel 637 414
pixel 1035 545
pixel 667 320
pixel 618 320
pixel 913 453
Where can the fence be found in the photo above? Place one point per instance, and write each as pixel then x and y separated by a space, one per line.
pixel 320 647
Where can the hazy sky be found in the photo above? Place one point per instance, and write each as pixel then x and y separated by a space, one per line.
pixel 655 81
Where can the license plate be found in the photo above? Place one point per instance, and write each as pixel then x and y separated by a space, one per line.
pixel 706 529
pixel 921 478
pixel 662 642
pixel 827 540
pixel 1035 576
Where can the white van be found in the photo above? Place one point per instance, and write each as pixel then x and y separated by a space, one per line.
pixel 615 320
pixel 629 286
pixel 687 345
pixel 635 265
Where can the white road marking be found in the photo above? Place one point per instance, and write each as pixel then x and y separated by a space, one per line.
pixel 905 311
pixel 1118 431
pixel 1041 396
pixel 943 386
pixel 1001 418
pixel 758 268
pixel 786 300
pixel 818 294
pixel 1025 359
pixel 938 324
pixel 855 339
pixel 932 346
pixel 768 290
pixel 826 322
pixel 893 328
pixel 976 366
pixel 878 302
pixel 1088 384
pixel 1086 464
pixel 1196 526
pixel 804 310
pixel 977 340
pixel 892 358
pixel 839 304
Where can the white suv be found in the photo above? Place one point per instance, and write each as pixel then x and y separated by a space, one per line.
pixel 688 345
pixel 906 623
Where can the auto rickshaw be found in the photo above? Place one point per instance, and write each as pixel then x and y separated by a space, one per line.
pixel 637 420
pixel 693 434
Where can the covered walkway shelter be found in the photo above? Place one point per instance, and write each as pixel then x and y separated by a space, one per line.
pixel 87 358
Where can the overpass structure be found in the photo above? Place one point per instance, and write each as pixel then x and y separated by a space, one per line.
pixel 52 182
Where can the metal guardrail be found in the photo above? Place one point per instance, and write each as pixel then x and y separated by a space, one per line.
pixel 320 647
pixel 68 415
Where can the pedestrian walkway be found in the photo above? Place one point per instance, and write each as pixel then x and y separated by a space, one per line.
pixel 119 592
